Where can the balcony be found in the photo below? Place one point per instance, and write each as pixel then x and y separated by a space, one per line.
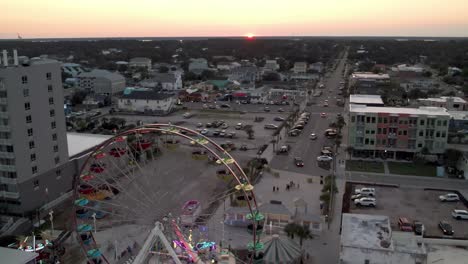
pixel 7 155
pixel 392 135
pixel 11 168
pixel 5 128
pixel 3 101
pixel 4 180
pixel 6 141
pixel 11 195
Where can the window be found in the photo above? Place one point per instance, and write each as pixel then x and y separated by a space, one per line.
pixel 58 174
pixel 366 141
pixel 54 137
pixel 52 113
pixel 421 122
pixel 367 131
pixel 379 120
pixel 384 130
pixel 30 132
pixel 10 149
pixel 353 118
pixel 49 76
pixel 385 120
pixel 51 100
pixel 373 119
pixel 445 123
pixel 371 142
pixel 33 157
pixel 372 132
pixel 421 133
pixel 25 92
pixel 55 148
pixel 379 130
pixel 49 88
pixel 28 119
pixel 439 123
pixel 419 145
pixel 27 106
pixel 31 145
pixel 24 79
pixel 53 125
pixel 437 134
pixel 57 160
pixel 368 119
pixel 443 134
pixel 34 171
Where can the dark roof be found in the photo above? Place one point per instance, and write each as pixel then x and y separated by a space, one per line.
pixel 281 250
pixel 162 78
pixel 148 95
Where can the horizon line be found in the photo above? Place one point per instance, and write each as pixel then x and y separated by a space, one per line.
pixel 235 37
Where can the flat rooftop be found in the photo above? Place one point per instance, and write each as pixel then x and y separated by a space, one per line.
pixel 16 256
pixel 444 99
pixel 366 231
pixel 423 110
pixel 81 142
pixel 370 75
pixel 365 99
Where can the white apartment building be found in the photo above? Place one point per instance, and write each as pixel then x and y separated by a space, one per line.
pixel 33 142
pixel 140 62
pixel 300 67
pixel 147 101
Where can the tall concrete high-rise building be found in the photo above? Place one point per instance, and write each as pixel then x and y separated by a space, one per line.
pixel 33 140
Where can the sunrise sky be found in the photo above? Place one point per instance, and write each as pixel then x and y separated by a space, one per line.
pixel 160 18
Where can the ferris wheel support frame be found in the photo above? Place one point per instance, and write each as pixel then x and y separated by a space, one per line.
pixel 156 232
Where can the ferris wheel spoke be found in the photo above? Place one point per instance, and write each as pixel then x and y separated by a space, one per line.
pixel 134 179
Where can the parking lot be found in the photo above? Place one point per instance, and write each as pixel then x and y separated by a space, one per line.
pixel 261 135
pixel 415 204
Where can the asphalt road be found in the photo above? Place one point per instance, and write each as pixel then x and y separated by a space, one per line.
pixel 302 146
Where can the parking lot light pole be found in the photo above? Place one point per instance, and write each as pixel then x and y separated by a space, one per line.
pixel 51 217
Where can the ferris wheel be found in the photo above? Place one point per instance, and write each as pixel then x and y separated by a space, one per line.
pixel 135 201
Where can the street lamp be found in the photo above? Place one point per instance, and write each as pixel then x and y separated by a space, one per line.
pixel 94 220
pixel 51 218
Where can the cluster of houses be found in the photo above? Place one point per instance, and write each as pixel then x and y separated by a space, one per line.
pixel 163 85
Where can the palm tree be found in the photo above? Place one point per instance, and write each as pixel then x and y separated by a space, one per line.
pixel 301 231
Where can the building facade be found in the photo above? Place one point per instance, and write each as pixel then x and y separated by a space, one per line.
pixel 101 82
pixel 450 103
pixel 390 132
pixel 300 67
pixel 140 62
pixel 369 83
pixel 165 81
pixel 148 102
pixel 33 139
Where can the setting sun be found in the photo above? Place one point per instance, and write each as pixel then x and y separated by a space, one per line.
pixel 250 35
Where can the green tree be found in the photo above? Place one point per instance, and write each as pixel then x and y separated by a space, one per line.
pixel 271 76
pixel 451 157
pixel 249 130
pixel 301 231
pixel 163 69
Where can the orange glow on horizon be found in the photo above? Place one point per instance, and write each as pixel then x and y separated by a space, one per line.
pixel 162 18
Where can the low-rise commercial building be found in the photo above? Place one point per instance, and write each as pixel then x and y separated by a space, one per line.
pixel 369 83
pixel 197 66
pixel 300 67
pixel 72 69
pixel 391 132
pixel 367 239
pixel 366 99
pixel 101 82
pixel 451 103
pixel 271 65
pixel 140 62
pixel 148 102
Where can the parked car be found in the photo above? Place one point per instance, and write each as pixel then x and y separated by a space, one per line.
pixel 299 162
pixel 449 197
pixel 278 118
pixel 212 107
pixel 216 132
pixel 225 106
pixel 204 132
pixel 404 224
pixel 294 132
pixel 199 124
pixel 325 104
pixel 446 228
pixel 271 126
pixel 365 201
pixel 244 147
pixel 460 214
pixel 357 196
pixel 366 191
pixel 224 126
pixel 284 149
pixel 418 227
pixel 280 110
pixel 208 125
pixel 239 126
pixel 298 126
pixel 324 158
pixel 230 134
pixel 313 136
pixel 323 115
pixel 266 109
